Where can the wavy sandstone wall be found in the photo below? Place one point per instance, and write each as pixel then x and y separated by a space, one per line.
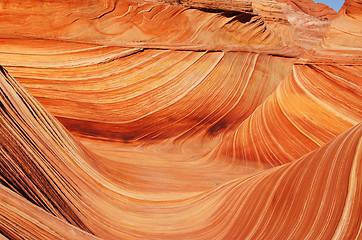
pixel 180 120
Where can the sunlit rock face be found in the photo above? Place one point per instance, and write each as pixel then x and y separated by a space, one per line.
pixel 188 119
pixel 311 8
pixel 345 32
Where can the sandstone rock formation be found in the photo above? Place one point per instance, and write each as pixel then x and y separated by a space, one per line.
pixel 180 120
pixel 311 8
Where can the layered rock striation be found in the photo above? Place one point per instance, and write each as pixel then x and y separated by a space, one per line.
pixel 180 120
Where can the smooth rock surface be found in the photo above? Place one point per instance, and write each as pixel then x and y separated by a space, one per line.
pixel 186 119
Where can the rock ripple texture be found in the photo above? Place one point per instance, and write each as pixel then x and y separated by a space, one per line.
pixel 188 119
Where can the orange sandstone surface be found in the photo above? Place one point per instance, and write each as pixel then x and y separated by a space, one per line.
pixel 190 119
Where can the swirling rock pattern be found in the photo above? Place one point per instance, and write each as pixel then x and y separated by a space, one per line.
pixel 311 8
pixel 180 120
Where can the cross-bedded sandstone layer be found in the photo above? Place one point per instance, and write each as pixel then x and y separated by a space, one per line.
pixel 180 120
